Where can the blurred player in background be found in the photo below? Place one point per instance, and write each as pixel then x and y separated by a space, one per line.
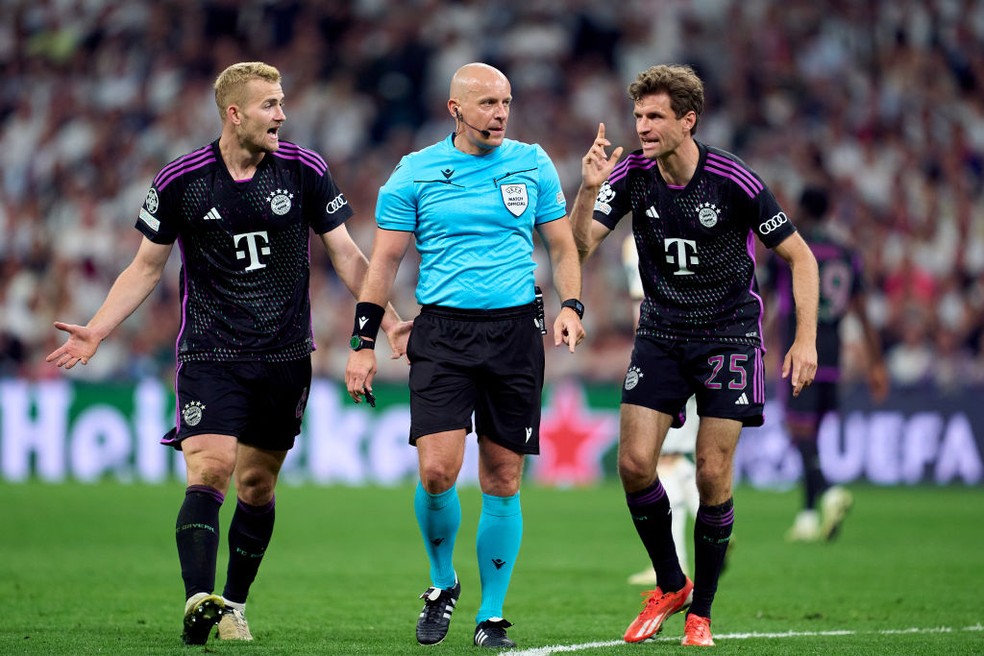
pixel 675 469
pixel 696 212
pixel 841 295
pixel 472 203
pixel 241 210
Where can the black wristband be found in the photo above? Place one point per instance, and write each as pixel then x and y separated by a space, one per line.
pixel 368 319
pixel 575 305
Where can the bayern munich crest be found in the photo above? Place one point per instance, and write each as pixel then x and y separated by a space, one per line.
pixel 280 201
pixel 707 214
pixel 632 377
pixel 192 413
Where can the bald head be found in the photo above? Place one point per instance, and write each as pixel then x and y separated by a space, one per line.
pixel 473 78
pixel 479 101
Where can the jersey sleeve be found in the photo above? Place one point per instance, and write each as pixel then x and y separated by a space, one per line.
pixel 396 203
pixel 769 221
pixel 613 201
pixel 157 218
pixel 332 209
pixel 551 204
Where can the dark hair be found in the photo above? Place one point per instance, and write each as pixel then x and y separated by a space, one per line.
pixel 814 202
pixel 679 82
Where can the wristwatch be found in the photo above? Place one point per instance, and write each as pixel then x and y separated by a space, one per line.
pixel 575 305
pixel 358 343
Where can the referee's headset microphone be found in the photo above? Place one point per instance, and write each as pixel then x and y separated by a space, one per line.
pixel 457 115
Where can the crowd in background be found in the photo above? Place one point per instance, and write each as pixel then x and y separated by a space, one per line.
pixel 882 102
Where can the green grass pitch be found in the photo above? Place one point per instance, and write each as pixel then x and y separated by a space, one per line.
pixel 92 569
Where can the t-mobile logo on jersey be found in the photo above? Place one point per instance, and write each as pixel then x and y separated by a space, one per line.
pixel 255 246
pixel 683 253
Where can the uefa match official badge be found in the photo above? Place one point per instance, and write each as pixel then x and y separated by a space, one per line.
pixel 192 413
pixel 515 198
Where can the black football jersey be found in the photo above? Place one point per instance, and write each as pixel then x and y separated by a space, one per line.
pixel 244 247
pixel 696 244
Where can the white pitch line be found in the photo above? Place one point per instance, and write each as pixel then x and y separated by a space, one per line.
pixel 584 646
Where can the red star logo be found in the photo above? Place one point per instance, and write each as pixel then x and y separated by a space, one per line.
pixel 573 438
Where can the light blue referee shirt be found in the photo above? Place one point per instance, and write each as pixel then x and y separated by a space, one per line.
pixel 472 217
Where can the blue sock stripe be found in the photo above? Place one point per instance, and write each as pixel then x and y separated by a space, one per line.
pixel 501 506
pixel 441 499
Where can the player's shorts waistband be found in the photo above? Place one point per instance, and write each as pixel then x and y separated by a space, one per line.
pixel 496 314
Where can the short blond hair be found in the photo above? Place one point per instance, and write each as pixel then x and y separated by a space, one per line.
pixel 230 86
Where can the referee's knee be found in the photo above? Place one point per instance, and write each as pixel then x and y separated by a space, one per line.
pixel 436 479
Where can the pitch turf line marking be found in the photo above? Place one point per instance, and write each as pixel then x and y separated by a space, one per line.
pixel 558 649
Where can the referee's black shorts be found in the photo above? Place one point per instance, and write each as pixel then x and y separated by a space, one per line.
pixel 486 362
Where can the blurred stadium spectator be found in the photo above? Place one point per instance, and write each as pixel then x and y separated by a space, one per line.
pixel 882 100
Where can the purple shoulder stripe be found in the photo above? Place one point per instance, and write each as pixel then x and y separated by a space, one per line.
pixel 633 161
pixel 312 159
pixel 730 169
pixel 185 164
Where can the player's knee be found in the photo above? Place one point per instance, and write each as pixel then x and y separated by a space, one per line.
pixel 256 490
pixel 212 472
pixel 501 482
pixel 714 481
pixel 635 473
pixel 436 478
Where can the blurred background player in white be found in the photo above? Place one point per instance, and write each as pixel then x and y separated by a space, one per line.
pixel 676 467
pixel 842 295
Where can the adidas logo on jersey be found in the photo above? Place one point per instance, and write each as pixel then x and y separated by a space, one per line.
pixel 742 400
pixel 212 215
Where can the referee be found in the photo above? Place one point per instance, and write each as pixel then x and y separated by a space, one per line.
pixel 471 203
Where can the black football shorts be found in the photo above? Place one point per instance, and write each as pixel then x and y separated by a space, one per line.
pixel 259 403
pixel 728 379
pixel 486 362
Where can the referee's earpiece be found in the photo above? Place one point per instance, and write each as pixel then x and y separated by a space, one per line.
pixel 484 133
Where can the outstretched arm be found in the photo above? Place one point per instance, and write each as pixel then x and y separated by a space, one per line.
pixel 131 288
